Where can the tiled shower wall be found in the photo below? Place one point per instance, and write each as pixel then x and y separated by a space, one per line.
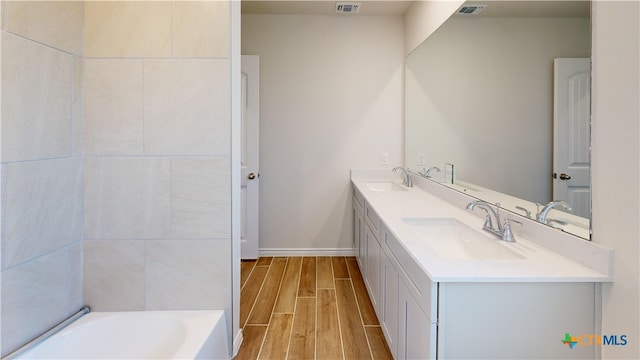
pixel 156 149
pixel 41 167
pixel 115 159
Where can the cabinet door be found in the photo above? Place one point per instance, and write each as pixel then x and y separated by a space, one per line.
pixel 372 266
pixel 416 333
pixel 389 292
pixel 359 237
pixel 513 320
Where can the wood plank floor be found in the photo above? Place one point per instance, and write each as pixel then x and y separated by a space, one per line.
pixel 307 308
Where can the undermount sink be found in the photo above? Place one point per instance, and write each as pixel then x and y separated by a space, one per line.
pixel 452 239
pixel 385 186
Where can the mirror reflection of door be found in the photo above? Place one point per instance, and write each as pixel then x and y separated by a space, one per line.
pixel 571 133
pixel 250 185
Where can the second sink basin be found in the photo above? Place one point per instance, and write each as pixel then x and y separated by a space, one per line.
pixel 385 186
pixel 453 239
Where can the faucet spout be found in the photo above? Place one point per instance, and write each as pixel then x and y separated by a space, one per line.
pixel 488 225
pixel 407 181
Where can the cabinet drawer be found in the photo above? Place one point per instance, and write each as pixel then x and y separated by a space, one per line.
pixel 372 218
pixel 418 282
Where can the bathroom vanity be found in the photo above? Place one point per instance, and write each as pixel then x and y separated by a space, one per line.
pixel 444 288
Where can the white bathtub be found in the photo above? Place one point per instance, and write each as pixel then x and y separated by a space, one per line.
pixel 138 335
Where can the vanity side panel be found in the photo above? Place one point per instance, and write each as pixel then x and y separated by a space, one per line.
pixel 358 230
pixel 516 320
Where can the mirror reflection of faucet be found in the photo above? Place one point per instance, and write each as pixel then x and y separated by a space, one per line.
pixel 543 215
pixel 426 173
pixel 526 211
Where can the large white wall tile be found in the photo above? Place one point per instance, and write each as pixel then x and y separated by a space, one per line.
pixel 200 29
pixel 188 274
pixel 113 273
pixel 54 23
pixel 44 208
pixel 187 107
pixel 77 106
pixel 112 121
pixel 35 296
pixel 200 197
pixel 36 100
pixel 76 300
pixel 127 29
pixel 126 198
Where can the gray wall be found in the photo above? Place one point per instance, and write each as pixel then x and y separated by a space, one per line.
pixel 330 100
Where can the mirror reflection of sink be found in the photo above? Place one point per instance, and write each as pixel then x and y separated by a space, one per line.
pixel 385 186
pixel 452 239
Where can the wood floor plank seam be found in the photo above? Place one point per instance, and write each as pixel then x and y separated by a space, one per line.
pixel 279 288
pixel 360 313
pixel 247 275
pixel 272 267
pixel 295 307
pixel 255 301
pixel 339 321
pixel 256 297
pixel 293 321
pixel 264 338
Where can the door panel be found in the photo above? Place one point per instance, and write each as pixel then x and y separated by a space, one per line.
pixel 250 175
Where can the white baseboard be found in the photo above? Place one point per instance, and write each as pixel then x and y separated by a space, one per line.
pixel 306 252
pixel 237 341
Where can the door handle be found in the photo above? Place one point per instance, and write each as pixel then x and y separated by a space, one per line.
pixel 563 176
pixel 251 176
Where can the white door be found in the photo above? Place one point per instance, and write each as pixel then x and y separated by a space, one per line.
pixel 250 176
pixel 572 134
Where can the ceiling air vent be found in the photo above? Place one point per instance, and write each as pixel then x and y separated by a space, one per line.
pixel 471 9
pixel 347 8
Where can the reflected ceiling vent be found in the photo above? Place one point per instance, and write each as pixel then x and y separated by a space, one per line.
pixel 471 9
pixel 347 8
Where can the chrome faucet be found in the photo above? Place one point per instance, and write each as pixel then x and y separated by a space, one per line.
pixel 488 223
pixel 407 181
pixel 502 231
pixel 544 213
pixel 427 172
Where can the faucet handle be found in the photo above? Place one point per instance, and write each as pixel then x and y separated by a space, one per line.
pixel 507 234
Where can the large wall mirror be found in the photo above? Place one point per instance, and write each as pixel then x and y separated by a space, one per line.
pixel 504 96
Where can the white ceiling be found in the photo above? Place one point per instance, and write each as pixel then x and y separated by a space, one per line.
pixel 551 8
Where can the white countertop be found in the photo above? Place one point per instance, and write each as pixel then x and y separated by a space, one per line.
pixel 539 264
